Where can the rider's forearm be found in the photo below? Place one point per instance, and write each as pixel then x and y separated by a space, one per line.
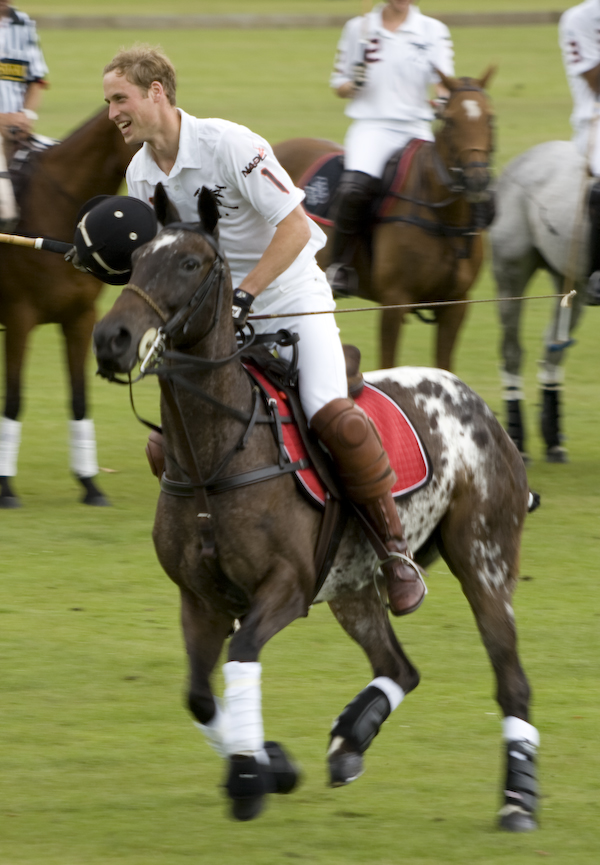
pixel 33 96
pixel 291 236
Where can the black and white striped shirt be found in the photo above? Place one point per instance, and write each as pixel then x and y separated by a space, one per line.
pixel 21 59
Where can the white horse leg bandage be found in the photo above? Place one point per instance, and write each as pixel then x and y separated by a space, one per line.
pixel 245 733
pixel 84 460
pixel 516 730
pixel 216 730
pixel 10 439
pixel 392 691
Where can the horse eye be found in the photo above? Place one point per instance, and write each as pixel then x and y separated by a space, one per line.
pixel 190 264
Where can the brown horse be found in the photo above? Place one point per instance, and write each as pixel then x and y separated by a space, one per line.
pixel 40 288
pixel 428 248
pixel 246 552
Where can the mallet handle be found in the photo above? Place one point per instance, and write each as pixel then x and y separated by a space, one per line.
pixel 37 243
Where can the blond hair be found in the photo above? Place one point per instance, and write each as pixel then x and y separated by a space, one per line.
pixel 142 64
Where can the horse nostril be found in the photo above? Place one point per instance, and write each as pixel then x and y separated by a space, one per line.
pixel 120 342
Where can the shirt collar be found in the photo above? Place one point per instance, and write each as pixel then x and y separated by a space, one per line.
pixel 188 153
pixel 412 24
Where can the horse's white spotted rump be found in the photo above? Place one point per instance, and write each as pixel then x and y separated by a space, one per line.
pixel 472 108
pixel 450 407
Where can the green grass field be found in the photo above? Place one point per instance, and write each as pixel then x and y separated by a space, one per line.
pixel 100 763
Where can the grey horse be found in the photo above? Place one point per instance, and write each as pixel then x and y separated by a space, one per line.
pixel 542 221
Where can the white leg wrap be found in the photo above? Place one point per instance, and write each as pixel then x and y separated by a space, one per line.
pixel 216 730
pixel 392 691
pixel 512 384
pixel 550 375
pixel 517 730
pixel 10 439
pixel 245 733
pixel 84 460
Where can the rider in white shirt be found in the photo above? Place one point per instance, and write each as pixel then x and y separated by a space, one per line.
pixel 270 246
pixel 22 74
pixel 385 66
pixel 579 37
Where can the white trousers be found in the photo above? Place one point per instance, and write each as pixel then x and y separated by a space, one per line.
pixel 586 139
pixel 321 364
pixel 370 143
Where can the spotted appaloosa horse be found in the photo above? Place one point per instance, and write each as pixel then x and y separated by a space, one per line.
pixel 262 571
pixel 40 288
pixel 427 247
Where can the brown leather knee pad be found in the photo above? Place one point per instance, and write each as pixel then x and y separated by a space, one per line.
pixel 355 446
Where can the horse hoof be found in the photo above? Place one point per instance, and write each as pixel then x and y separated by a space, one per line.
pixel 557 454
pixel 285 775
pixel 247 809
pixel 96 501
pixel 344 767
pixel 517 820
pixel 8 502
pixel 246 785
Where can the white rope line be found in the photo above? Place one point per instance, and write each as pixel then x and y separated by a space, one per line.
pixel 565 300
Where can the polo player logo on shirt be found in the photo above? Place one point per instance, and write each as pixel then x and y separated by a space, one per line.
pixel 217 193
pixel 420 46
pixel 260 157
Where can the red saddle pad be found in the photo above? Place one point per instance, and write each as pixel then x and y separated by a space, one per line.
pixel 405 449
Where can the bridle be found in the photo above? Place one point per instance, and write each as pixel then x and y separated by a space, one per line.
pixel 453 176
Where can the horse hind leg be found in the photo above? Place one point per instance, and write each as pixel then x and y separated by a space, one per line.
pixel 481 547
pixel 363 617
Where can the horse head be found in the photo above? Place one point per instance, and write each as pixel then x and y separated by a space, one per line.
pixel 466 139
pixel 179 285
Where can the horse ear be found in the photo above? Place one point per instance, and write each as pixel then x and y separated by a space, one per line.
pixel 487 76
pixel 207 210
pixel 449 83
pixel 166 212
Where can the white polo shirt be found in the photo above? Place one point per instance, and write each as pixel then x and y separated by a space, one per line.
pixel 579 39
pixel 253 191
pixel 400 65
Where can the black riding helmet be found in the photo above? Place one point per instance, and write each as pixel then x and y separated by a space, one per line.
pixel 109 229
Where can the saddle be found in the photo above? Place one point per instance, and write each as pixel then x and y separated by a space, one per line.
pixel 322 179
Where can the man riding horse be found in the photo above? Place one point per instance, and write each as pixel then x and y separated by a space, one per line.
pixel 385 64
pixel 270 247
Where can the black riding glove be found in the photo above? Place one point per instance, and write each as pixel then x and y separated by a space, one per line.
pixel 242 302
pixel 72 257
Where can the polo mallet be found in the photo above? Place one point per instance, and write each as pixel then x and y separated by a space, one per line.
pixel 45 243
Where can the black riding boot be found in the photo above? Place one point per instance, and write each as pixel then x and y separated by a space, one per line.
pixel 550 424
pixel 352 211
pixel 515 427
pixel 593 287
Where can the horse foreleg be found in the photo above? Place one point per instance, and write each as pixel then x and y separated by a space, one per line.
pixel 483 554
pixel 18 326
pixel 449 320
pixel 257 767
pixel 364 618
pixel 84 460
pixel 390 325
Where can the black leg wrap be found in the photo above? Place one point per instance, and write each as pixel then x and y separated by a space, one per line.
pixel 284 774
pixel 8 499
pixel 92 496
pixel 550 425
pixel 360 721
pixel 247 784
pixel 521 790
pixel 514 424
